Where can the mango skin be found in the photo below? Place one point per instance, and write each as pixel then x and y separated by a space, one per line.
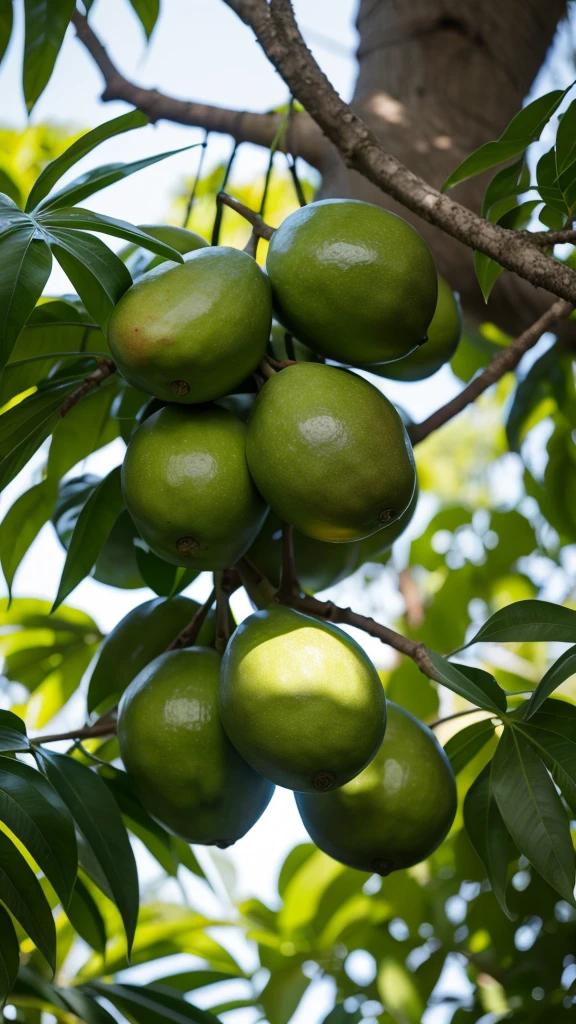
pixel 372 548
pixel 300 700
pixel 318 565
pixel 443 336
pixel 190 332
pixel 185 770
pixel 142 635
pixel 329 453
pixel 397 811
pixel 352 281
pixel 187 487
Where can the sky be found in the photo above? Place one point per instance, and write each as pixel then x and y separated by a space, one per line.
pixel 202 51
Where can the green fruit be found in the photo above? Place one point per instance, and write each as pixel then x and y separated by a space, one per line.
pixel 318 565
pixel 143 634
pixel 372 548
pixel 193 331
pixel 329 453
pixel 179 238
pixel 397 811
pixel 185 770
pixel 353 281
pixel 116 565
pixel 443 337
pixel 187 487
pixel 300 700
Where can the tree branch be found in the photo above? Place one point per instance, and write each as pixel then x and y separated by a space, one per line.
pixel 279 36
pixel 331 612
pixel 306 139
pixel 85 732
pixel 548 238
pixel 104 369
pixel 502 363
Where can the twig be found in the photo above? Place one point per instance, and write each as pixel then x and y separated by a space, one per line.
pixel 457 714
pixel 225 583
pixel 502 363
pixel 85 732
pixel 279 364
pixel 93 380
pixel 277 32
pixel 259 227
pixel 189 634
pixel 266 370
pixel 289 586
pixel 547 238
pixel 342 616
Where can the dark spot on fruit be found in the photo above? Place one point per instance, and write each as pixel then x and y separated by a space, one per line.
pixel 388 515
pixel 381 866
pixel 187 545
pixel 323 780
pixel 223 844
pixel 180 388
pixel 136 329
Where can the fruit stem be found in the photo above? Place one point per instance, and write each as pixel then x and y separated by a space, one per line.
pixel 223 591
pixel 187 637
pixel 259 226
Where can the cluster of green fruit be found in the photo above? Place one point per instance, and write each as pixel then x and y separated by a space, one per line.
pixel 295 702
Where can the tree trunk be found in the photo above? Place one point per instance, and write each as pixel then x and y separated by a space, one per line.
pixel 437 79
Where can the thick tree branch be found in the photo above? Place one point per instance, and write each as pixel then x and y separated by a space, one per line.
pixel 330 612
pixel 502 363
pixel 279 36
pixel 306 139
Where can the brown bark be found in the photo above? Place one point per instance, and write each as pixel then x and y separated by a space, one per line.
pixel 437 79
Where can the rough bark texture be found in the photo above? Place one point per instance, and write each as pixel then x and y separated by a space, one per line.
pixel 436 79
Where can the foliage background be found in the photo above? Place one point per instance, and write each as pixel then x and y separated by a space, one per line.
pixel 479 542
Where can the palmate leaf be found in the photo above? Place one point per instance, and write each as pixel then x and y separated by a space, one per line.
pixel 98 818
pixel 22 893
pixel 84 145
pixel 528 621
pixel 34 812
pixel 533 811
pixel 488 834
pixel 26 264
pixel 9 955
pixel 472 683
pixel 525 128
pixel 46 22
pixel 91 532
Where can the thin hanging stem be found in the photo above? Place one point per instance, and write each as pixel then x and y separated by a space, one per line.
pixel 219 205
pixel 291 159
pixel 189 635
pixel 197 178
pixel 289 586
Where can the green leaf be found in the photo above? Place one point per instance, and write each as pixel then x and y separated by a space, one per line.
pixel 488 834
pixel 22 420
pixel 6 22
pixel 21 525
pixel 12 733
pixel 87 426
pixel 547 377
pixel 34 812
pixel 137 819
pixel 147 11
pixel 164 579
pixel 488 270
pixel 562 669
pixel 21 455
pixel 90 533
pixel 26 264
pixel 22 893
pixel 9 955
pixel 84 1007
pixel 98 818
pixel 56 168
pixel 98 275
pixel 548 185
pixel 101 177
pixel 341 1016
pixel 528 621
pixel 509 182
pixel 152 1005
pixel 461 748
pixel 533 812
pixel 46 22
pixel 552 732
pixel 525 128
pixel 472 683
pixel 566 139
pixel 85 917
pixel 8 186
pixel 282 994
pixel 87 220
